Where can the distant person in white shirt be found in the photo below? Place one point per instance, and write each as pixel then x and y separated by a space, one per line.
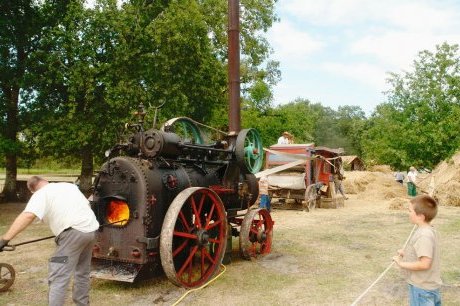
pixel 412 182
pixel 284 139
pixel 67 212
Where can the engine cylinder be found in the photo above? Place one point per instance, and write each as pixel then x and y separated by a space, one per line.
pixel 158 143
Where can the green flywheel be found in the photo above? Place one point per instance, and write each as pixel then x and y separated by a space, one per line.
pixel 249 150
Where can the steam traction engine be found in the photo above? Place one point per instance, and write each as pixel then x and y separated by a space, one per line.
pixel 168 199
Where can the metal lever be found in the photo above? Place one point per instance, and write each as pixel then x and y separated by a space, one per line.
pixel 13 246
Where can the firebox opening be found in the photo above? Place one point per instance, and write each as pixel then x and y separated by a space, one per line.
pixel 117 212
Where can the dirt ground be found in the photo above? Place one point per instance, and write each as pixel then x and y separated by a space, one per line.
pixel 322 257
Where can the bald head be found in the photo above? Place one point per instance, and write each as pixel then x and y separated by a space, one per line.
pixel 34 183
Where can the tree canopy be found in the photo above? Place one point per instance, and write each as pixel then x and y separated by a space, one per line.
pixel 418 125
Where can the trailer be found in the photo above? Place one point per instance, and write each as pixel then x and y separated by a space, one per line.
pixel 300 176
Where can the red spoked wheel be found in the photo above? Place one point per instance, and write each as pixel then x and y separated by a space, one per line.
pixel 7 276
pixel 193 237
pixel 256 233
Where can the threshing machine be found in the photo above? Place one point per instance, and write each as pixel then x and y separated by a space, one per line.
pixel 307 183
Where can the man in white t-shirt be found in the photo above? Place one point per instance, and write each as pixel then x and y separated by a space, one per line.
pixel 67 212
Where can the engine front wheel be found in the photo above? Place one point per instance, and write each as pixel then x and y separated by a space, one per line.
pixel 193 237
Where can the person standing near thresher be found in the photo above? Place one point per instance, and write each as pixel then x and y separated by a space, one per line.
pixel 284 138
pixel 421 258
pixel 339 176
pixel 290 138
pixel 399 177
pixel 412 182
pixel 263 192
pixel 67 212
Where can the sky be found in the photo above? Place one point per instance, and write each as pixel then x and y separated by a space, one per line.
pixel 339 52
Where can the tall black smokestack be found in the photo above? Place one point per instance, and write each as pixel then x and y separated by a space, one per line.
pixel 234 65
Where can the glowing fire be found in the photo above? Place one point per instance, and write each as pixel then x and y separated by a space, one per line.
pixel 118 211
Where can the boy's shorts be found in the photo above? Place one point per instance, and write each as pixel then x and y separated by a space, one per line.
pixel 422 297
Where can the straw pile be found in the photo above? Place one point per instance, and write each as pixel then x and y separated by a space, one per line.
pixel 379 185
pixel 444 182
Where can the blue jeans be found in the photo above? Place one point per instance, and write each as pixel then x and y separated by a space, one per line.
pixel 422 297
pixel 265 201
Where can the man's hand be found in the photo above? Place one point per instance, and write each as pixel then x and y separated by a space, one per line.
pixel 3 243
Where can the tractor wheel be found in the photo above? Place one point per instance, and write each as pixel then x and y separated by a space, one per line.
pixel 193 237
pixel 256 233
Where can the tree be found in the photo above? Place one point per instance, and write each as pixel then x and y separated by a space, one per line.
pixel 179 64
pixel 351 122
pixel 419 123
pixel 269 123
pixel 70 80
pixel 301 119
pixel 381 143
pixel 22 23
pixel 296 117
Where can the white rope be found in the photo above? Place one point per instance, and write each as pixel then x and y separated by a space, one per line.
pixel 372 285
pixel 383 273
